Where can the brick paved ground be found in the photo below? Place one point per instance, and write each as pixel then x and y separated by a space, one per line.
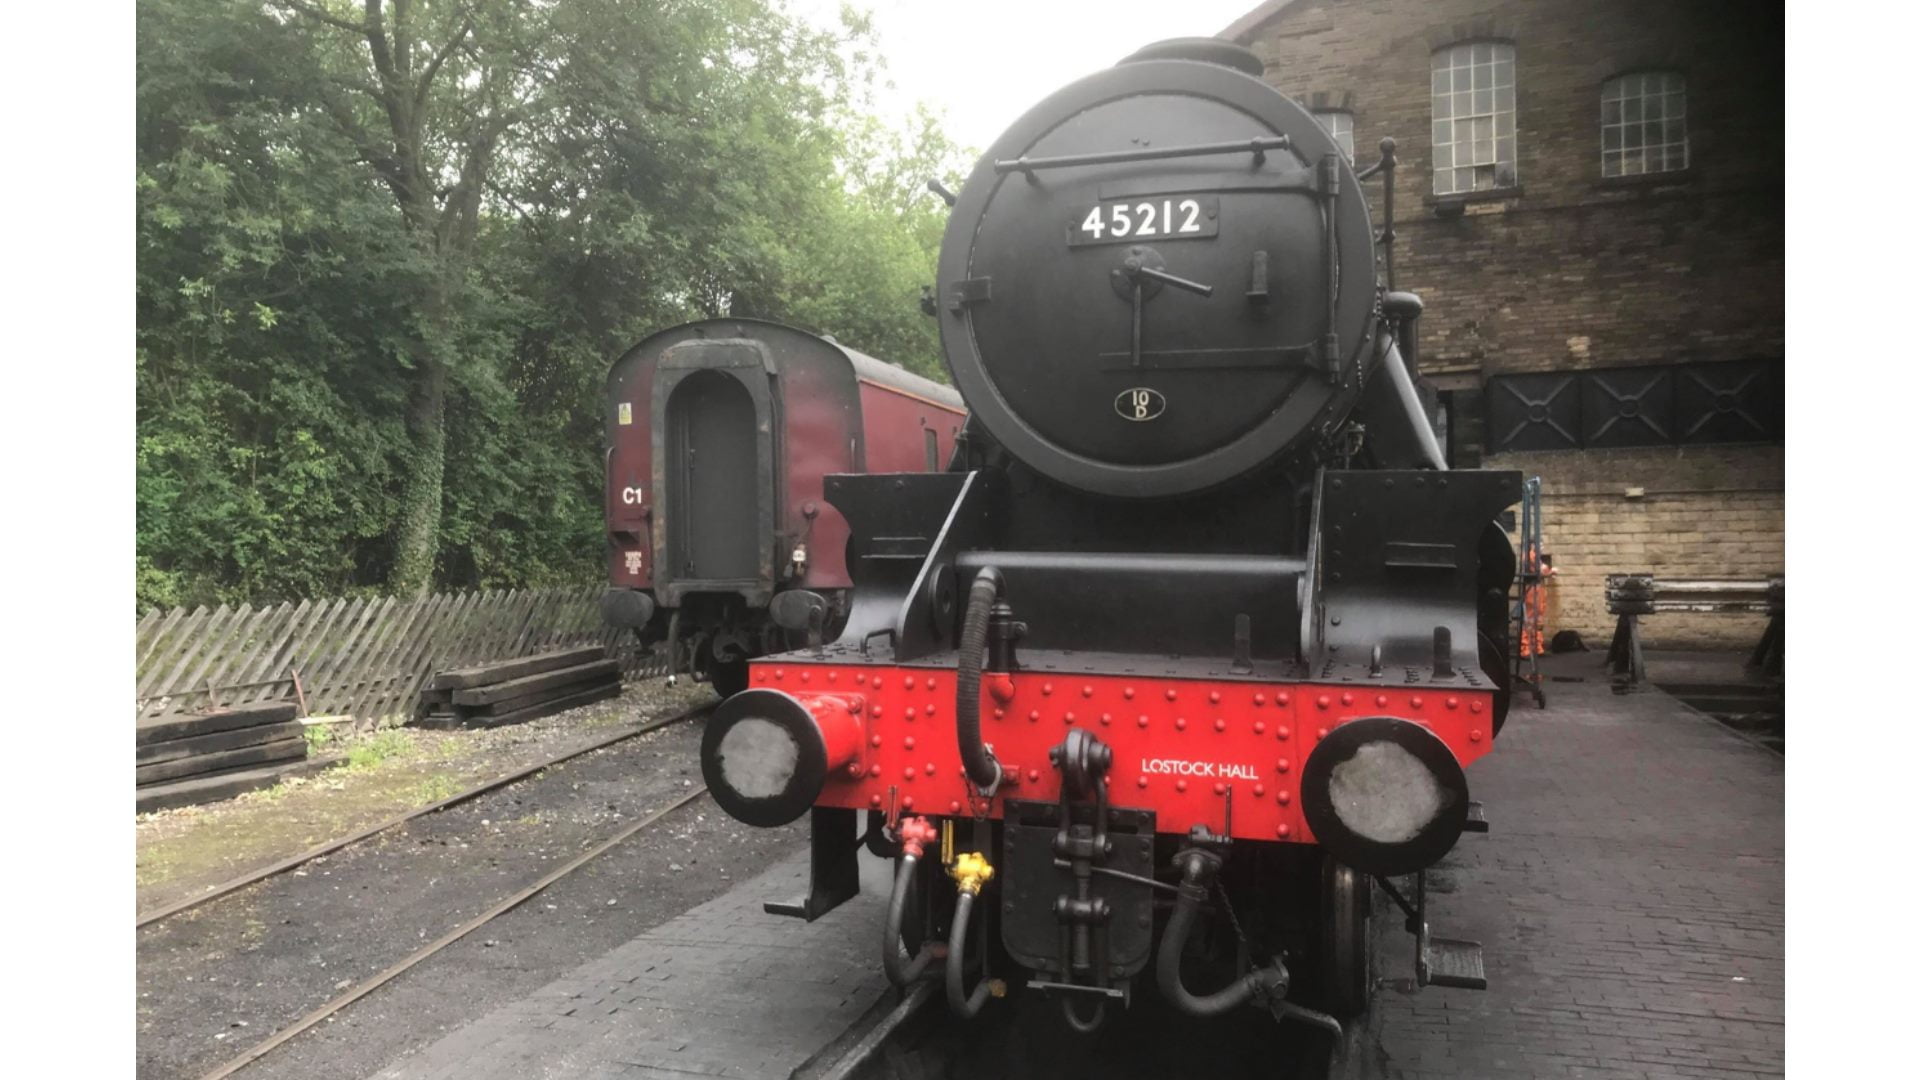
pixel 724 990
pixel 1631 898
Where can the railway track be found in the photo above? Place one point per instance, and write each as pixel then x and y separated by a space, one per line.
pixel 348 995
pixel 906 1038
pixel 912 1036
pixel 860 1054
pixel 369 985
pixel 293 862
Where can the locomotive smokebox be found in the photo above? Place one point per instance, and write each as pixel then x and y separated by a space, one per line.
pixel 1384 795
pixel 766 755
pixel 1161 279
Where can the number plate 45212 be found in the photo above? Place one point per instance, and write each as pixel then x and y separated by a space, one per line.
pixel 1127 221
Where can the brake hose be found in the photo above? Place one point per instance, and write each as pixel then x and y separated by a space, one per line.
pixel 978 761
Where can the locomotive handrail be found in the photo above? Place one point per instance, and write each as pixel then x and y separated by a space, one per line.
pixel 1257 146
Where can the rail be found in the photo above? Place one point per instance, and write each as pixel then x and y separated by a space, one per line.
pixel 353 993
pixel 292 862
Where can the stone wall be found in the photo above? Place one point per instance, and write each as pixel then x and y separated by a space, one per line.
pixel 1571 270
pixel 1712 514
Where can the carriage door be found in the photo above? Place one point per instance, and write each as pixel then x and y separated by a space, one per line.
pixel 711 473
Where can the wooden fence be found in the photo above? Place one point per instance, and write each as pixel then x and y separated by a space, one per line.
pixel 365 658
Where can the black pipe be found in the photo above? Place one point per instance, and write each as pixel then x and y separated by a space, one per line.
pixel 901 973
pixel 974 756
pixel 965 1005
pixel 1084 1027
pixel 673 648
pixel 1193 893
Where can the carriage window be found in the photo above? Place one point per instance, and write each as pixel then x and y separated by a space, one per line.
pixel 933 450
pixel 1643 124
pixel 1473 135
pixel 1339 124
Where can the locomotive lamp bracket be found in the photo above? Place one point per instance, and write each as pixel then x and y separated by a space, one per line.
pixel 1004 632
pixel 968 293
pixel 1258 295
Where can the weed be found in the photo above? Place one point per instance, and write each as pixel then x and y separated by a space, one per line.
pixel 381 746
pixel 434 788
pixel 318 736
pixel 275 793
pixel 153 867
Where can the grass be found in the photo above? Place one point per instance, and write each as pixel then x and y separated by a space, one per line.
pixel 434 788
pixel 391 744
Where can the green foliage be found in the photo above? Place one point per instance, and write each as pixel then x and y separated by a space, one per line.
pixel 433 789
pixel 368 752
pixel 639 164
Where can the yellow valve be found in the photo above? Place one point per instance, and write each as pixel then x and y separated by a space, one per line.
pixel 971 871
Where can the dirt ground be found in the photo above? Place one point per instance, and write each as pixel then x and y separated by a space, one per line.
pixel 215 980
pixel 194 848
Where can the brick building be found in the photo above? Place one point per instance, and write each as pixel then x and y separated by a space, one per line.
pixel 1589 200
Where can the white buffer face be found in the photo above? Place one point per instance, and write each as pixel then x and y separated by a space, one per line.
pixel 1385 794
pixel 758 758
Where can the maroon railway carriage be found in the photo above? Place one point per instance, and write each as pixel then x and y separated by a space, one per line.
pixel 718 435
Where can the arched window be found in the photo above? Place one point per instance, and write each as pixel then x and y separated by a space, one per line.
pixel 1473 138
pixel 1643 123
pixel 1339 124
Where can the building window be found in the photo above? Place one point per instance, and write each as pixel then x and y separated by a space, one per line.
pixel 1643 124
pixel 1339 124
pixel 1473 143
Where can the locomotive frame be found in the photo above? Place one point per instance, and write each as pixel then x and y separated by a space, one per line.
pixel 1174 698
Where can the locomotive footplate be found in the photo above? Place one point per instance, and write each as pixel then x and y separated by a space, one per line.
pixel 1040 904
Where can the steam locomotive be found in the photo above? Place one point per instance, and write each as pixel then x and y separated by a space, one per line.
pixel 1194 641
pixel 719 435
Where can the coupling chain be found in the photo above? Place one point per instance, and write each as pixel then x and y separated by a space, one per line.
pixel 1234 919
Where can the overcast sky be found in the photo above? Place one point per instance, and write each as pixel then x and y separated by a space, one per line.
pixel 985 62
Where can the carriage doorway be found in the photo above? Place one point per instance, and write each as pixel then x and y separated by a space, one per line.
pixel 713 480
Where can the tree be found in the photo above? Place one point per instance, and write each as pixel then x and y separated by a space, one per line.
pixel 387 251
pixel 427 92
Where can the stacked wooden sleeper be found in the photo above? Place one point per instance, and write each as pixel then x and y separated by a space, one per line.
pixel 181 760
pixel 513 691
